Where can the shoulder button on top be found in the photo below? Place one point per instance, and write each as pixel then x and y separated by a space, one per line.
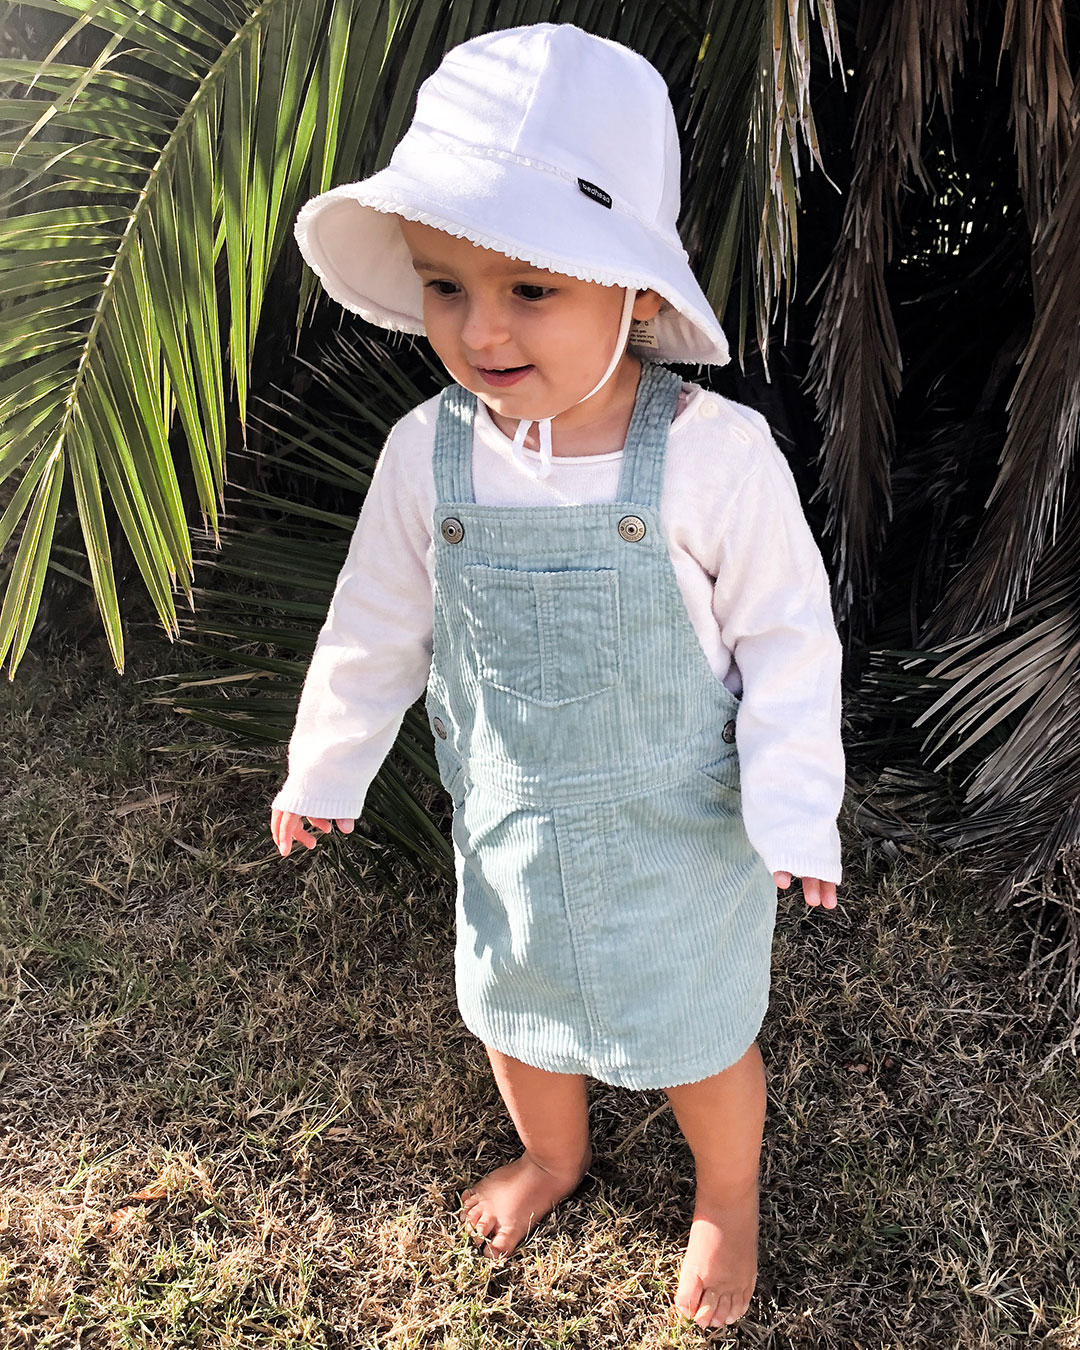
pixel 632 528
pixel 710 407
pixel 452 530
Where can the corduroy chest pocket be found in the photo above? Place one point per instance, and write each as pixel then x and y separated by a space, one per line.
pixel 548 637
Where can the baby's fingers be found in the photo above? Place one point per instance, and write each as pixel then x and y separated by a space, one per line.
pixel 344 825
pixel 305 837
pixel 287 826
pixel 818 892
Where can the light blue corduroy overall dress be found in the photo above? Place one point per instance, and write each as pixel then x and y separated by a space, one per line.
pixel 613 918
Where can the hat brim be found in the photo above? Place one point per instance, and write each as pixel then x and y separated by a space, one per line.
pixel 349 238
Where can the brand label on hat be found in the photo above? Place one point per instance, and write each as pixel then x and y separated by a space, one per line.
pixel 597 194
pixel 641 333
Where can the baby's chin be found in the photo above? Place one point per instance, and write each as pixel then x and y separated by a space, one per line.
pixel 508 402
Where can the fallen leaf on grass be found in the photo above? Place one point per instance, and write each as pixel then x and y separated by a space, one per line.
pixel 122 1217
pixel 157 1190
pixel 120 1220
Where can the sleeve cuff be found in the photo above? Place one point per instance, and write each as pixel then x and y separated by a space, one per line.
pixel 811 869
pixel 323 808
pixel 821 863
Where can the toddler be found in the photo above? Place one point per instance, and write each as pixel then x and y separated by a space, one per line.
pixel 622 623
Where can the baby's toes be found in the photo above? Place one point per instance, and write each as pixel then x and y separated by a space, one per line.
pixel 485 1224
pixel 704 1314
pixel 740 1304
pixel 502 1243
pixel 478 1225
pixel 688 1295
pixel 724 1311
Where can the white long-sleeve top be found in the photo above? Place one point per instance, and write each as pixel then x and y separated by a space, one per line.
pixel 750 572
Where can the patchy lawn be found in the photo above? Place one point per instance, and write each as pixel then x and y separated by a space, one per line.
pixel 238 1104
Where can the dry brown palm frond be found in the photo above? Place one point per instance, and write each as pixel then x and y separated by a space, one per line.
pixel 1025 508
pixel 911 50
pixel 1013 693
pixel 781 113
pixel 1042 90
pixel 1001 786
pixel 750 106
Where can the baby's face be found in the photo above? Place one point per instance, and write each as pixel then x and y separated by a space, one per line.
pixel 486 312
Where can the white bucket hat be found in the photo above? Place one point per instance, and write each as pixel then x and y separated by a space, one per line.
pixel 547 144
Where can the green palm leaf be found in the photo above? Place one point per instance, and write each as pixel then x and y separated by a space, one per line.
pixel 185 134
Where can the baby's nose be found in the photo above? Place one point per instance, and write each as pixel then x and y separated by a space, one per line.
pixel 485 327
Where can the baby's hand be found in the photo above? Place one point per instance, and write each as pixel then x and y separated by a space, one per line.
pixel 815 891
pixel 286 826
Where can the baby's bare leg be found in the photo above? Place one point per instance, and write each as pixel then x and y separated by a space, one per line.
pixel 722 1118
pixel 550 1113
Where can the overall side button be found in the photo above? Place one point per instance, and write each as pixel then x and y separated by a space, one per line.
pixel 632 528
pixel 452 530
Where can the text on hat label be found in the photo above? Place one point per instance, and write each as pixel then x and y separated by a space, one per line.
pixel 597 194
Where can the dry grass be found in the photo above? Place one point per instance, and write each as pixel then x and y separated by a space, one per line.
pixel 238 1104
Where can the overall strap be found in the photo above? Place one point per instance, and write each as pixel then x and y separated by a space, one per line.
pixel 452 456
pixel 647 436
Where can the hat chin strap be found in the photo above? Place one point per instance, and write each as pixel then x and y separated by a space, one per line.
pixel 544 423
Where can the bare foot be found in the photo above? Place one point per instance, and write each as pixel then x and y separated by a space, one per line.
pixel 720 1266
pixel 508 1204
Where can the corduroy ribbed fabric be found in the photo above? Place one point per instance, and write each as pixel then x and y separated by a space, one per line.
pixel 612 916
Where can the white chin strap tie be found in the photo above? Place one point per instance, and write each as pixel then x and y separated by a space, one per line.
pixel 544 423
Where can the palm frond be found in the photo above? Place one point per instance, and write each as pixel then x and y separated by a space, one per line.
pixel 186 133
pixel 910 51
pixel 750 106
pixel 1044 124
pixel 1001 719
pixel 1024 511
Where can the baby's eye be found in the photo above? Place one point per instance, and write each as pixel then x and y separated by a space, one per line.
pixel 543 291
pixel 437 284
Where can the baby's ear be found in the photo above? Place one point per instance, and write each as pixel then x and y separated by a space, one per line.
pixel 647 304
